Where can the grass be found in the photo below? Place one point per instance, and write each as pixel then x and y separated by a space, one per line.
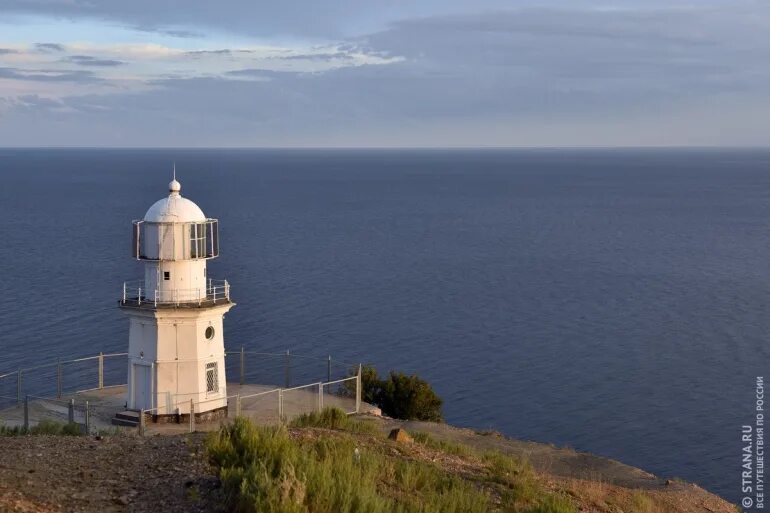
pixel 263 470
pixel 440 445
pixel 334 418
pixel 44 427
pixel 346 470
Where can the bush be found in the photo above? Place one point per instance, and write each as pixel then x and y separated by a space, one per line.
pixel 401 396
pixel 410 398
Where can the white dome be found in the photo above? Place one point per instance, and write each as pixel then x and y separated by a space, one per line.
pixel 174 208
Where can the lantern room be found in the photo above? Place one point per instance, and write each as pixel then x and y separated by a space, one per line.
pixel 175 239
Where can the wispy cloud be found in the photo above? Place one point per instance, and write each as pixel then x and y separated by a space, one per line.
pixel 545 73
pixel 48 75
pixel 49 47
pixel 88 60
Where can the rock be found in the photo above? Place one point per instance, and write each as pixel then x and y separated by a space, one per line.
pixel 400 435
pixel 123 500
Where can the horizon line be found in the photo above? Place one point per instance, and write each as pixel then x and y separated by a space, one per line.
pixel 396 148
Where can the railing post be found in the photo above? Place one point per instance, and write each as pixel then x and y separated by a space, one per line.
pixel 26 413
pixel 287 370
pixel 101 370
pixel 358 390
pixel 192 416
pixel 320 397
pixel 243 365
pixel 88 419
pixel 124 293
pixel 58 378
pixel 71 411
pixel 329 369
pixel 18 387
pixel 139 296
pixel 142 423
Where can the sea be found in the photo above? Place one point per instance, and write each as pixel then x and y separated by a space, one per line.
pixel 611 301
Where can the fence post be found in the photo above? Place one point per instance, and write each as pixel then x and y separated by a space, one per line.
pixel 243 365
pixel 287 370
pixel 58 378
pixel 88 419
pixel 26 413
pixel 192 416
pixel 101 370
pixel 18 387
pixel 329 369
pixel 280 405
pixel 358 390
pixel 320 397
pixel 71 411
pixel 238 405
pixel 142 423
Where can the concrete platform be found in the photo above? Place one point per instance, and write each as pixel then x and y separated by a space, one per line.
pixel 259 403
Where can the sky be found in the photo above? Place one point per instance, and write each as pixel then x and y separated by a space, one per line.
pixel 386 73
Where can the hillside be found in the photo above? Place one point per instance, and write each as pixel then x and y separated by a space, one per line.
pixel 173 473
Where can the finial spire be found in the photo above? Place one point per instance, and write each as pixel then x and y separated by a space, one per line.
pixel 174 187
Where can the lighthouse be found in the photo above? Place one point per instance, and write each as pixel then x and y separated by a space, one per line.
pixel 176 352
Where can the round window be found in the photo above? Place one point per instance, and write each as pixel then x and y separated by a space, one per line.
pixel 210 332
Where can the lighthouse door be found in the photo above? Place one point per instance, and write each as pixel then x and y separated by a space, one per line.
pixel 142 387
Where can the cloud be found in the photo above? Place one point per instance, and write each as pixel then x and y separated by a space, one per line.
pixel 48 75
pixel 7 51
pixel 88 60
pixel 49 47
pixel 540 76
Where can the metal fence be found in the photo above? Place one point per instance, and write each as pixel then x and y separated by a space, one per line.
pixel 52 380
pixel 275 387
pixel 284 370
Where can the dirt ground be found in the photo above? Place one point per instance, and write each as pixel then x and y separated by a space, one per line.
pixel 115 474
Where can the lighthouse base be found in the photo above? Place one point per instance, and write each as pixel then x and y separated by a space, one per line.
pixel 184 418
pixel 130 418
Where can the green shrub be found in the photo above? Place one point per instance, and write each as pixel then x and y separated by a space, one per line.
pixel 399 396
pixel 371 385
pixel 410 398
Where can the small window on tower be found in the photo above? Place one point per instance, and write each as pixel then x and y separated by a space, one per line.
pixel 166 275
pixel 212 378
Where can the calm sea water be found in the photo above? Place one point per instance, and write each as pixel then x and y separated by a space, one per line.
pixel 614 301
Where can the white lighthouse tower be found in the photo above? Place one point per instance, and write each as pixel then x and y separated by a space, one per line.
pixel 176 350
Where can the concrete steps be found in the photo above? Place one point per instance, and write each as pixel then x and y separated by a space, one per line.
pixel 127 418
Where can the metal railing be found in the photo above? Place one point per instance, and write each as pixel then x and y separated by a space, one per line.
pixel 136 294
pixel 63 376
pixel 285 403
pixel 78 413
pixel 284 369
pixel 323 382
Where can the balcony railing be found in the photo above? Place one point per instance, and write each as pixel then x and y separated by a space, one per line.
pixel 135 294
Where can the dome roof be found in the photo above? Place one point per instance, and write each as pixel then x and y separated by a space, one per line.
pixel 174 208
